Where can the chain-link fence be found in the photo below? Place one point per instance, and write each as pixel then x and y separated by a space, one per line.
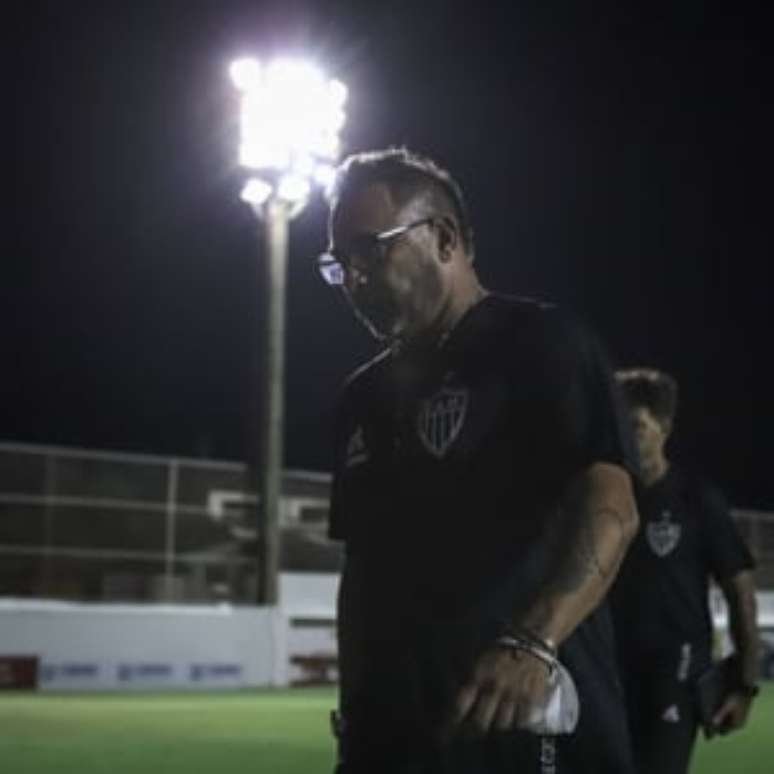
pixel 86 525
pixel 757 528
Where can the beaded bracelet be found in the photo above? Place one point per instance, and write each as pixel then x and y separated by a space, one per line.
pixel 539 650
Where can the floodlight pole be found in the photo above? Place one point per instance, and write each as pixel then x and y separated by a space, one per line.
pixel 293 161
pixel 276 215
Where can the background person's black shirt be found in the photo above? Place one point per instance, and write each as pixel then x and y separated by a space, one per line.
pixel 660 598
pixel 449 467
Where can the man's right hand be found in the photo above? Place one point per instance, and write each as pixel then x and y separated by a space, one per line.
pixel 503 691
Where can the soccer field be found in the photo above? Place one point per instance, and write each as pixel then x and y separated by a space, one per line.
pixel 271 732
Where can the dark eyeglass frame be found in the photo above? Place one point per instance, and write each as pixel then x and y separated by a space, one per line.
pixel 334 265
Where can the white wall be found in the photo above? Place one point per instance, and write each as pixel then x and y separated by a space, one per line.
pixel 121 647
pixel 308 602
pixel 308 594
pixel 157 647
pixel 174 647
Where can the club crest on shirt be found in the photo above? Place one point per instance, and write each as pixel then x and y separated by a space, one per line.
pixel 671 714
pixel 441 418
pixel 663 535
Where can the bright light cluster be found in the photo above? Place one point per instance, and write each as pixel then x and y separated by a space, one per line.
pixel 291 118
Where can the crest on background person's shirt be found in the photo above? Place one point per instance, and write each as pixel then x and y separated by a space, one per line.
pixel 663 535
pixel 441 418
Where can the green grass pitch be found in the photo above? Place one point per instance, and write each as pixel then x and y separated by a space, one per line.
pixel 267 732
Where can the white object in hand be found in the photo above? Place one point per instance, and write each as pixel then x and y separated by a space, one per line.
pixel 561 710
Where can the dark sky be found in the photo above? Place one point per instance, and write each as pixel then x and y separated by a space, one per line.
pixel 616 157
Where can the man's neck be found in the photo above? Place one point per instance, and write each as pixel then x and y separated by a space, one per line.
pixel 457 309
pixel 435 336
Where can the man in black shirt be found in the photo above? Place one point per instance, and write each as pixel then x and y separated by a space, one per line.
pixel 660 599
pixel 481 488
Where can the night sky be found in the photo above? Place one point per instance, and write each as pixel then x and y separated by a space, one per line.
pixel 616 157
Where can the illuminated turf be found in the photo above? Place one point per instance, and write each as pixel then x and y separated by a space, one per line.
pixel 272 732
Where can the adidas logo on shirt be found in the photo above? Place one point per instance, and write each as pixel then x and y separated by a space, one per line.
pixel 671 714
pixel 357 452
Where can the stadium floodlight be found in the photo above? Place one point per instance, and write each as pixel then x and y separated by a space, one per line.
pixel 291 116
pixel 256 192
pixel 290 119
pixel 293 188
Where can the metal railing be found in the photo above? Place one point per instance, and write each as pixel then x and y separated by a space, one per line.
pixel 104 526
pixel 90 525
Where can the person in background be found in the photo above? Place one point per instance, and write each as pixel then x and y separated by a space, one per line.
pixel 660 598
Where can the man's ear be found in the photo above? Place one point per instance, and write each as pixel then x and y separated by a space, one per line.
pixel 448 237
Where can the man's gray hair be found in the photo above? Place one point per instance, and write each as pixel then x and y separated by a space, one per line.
pixel 408 175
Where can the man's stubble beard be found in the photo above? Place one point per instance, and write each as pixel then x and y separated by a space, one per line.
pixel 390 321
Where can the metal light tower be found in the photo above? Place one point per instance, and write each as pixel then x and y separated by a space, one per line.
pixel 291 116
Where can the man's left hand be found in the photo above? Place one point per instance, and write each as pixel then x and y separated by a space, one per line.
pixel 732 714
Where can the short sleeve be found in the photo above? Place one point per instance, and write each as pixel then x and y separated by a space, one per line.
pixel 590 420
pixel 727 553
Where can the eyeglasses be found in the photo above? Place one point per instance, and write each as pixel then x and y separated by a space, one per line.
pixel 363 254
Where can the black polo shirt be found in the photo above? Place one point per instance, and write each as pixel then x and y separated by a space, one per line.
pixel 660 598
pixel 450 463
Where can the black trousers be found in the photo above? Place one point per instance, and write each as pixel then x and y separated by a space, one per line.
pixel 513 752
pixel 663 721
pixel 495 754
